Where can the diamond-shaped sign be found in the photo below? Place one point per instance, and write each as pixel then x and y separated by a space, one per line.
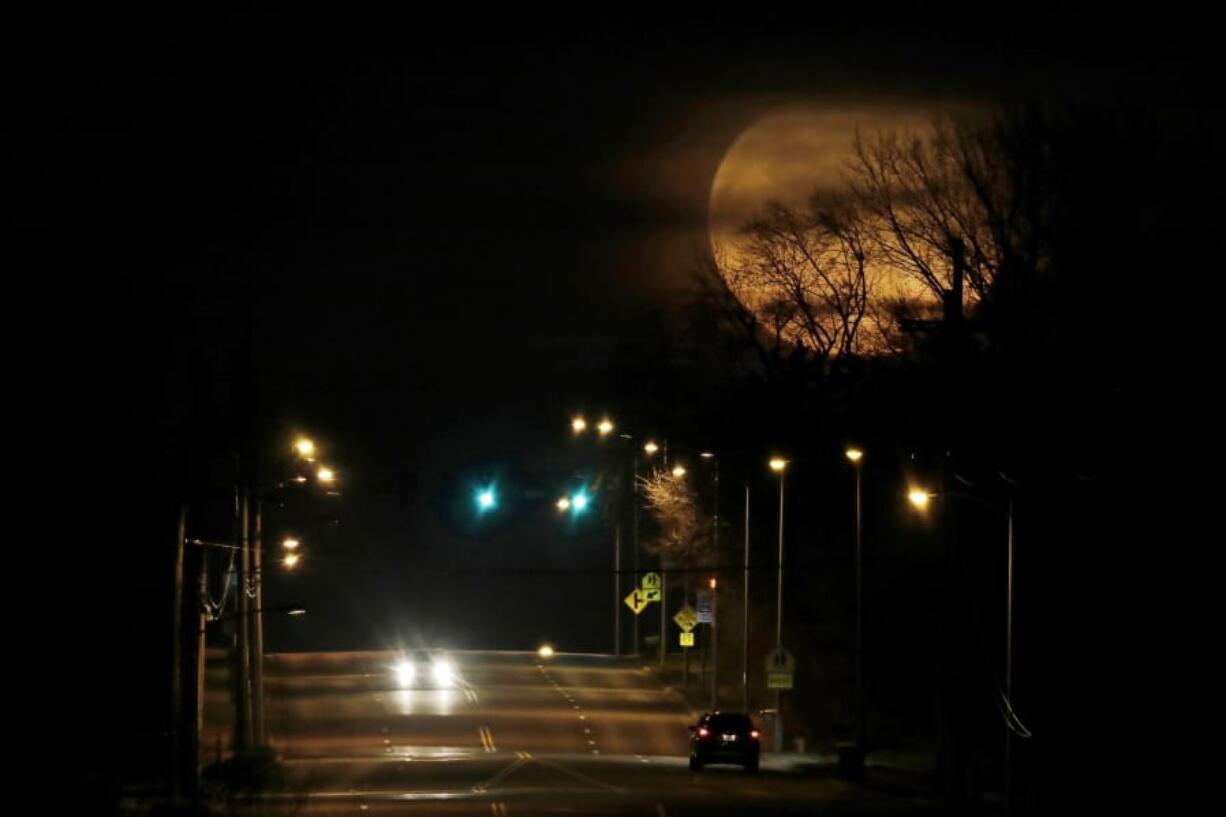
pixel 686 618
pixel 636 601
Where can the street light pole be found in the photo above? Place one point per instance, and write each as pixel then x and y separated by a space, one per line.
pixel 714 644
pixel 779 465
pixel 855 455
pixel 617 589
pixel 258 626
pixel 1009 664
pixel 919 498
pixel 745 613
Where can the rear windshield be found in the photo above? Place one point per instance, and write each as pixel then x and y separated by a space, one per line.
pixel 730 723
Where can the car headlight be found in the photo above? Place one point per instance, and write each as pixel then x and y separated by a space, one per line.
pixel 405 673
pixel 444 672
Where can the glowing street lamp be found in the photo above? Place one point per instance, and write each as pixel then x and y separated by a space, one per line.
pixel 304 447
pixel 678 471
pixel 563 504
pixel 919 498
pixel 578 425
pixel 651 448
pixel 291 560
pixel 579 502
pixel 546 651
pixel 778 464
pixel 854 454
pixel 605 427
pixel 325 474
pixel 290 543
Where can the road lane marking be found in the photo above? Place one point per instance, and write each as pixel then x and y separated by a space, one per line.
pixel 502 773
pixel 581 777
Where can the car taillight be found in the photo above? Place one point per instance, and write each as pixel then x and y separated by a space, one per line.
pixel 703 732
pixel 755 734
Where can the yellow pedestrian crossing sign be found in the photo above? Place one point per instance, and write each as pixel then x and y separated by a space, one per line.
pixel 686 618
pixel 637 601
pixel 687 639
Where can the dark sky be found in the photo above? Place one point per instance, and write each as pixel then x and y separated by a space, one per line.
pixel 436 233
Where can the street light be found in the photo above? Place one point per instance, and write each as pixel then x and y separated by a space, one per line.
pixel 651 448
pixel 578 424
pixel 290 543
pixel 291 560
pixel 605 427
pixel 920 498
pixel 678 471
pixel 325 474
pixel 304 447
pixel 563 504
pixel 779 466
pixel 854 456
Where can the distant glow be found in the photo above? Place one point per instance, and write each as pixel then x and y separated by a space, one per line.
pixel 854 454
pixel 443 672
pixel 713 583
pixel 297 611
pixel 703 732
pixel 291 560
pixel 290 543
pixel 563 504
pixel 651 448
pixel 678 471
pixel 546 651
pixel 325 474
pixel 300 479
pixel 579 501
pixel 777 464
pixel 578 424
pixel 919 498
pixel 606 427
pixel 304 447
pixel 706 455
pixel 405 673
pixel 755 734
pixel 486 500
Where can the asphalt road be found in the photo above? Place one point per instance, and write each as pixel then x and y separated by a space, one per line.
pixel 579 734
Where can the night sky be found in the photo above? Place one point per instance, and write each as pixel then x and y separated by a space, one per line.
pixel 424 244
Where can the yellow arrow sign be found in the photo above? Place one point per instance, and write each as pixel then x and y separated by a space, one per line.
pixel 636 601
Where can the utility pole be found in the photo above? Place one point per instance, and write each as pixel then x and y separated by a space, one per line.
pixel 176 682
pixel 714 644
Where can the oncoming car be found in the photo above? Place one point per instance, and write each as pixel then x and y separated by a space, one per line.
pixel 724 737
pixel 424 671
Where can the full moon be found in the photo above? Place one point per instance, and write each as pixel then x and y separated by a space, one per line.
pixel 787 155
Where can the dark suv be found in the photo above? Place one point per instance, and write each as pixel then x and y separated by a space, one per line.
pixel 724 737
